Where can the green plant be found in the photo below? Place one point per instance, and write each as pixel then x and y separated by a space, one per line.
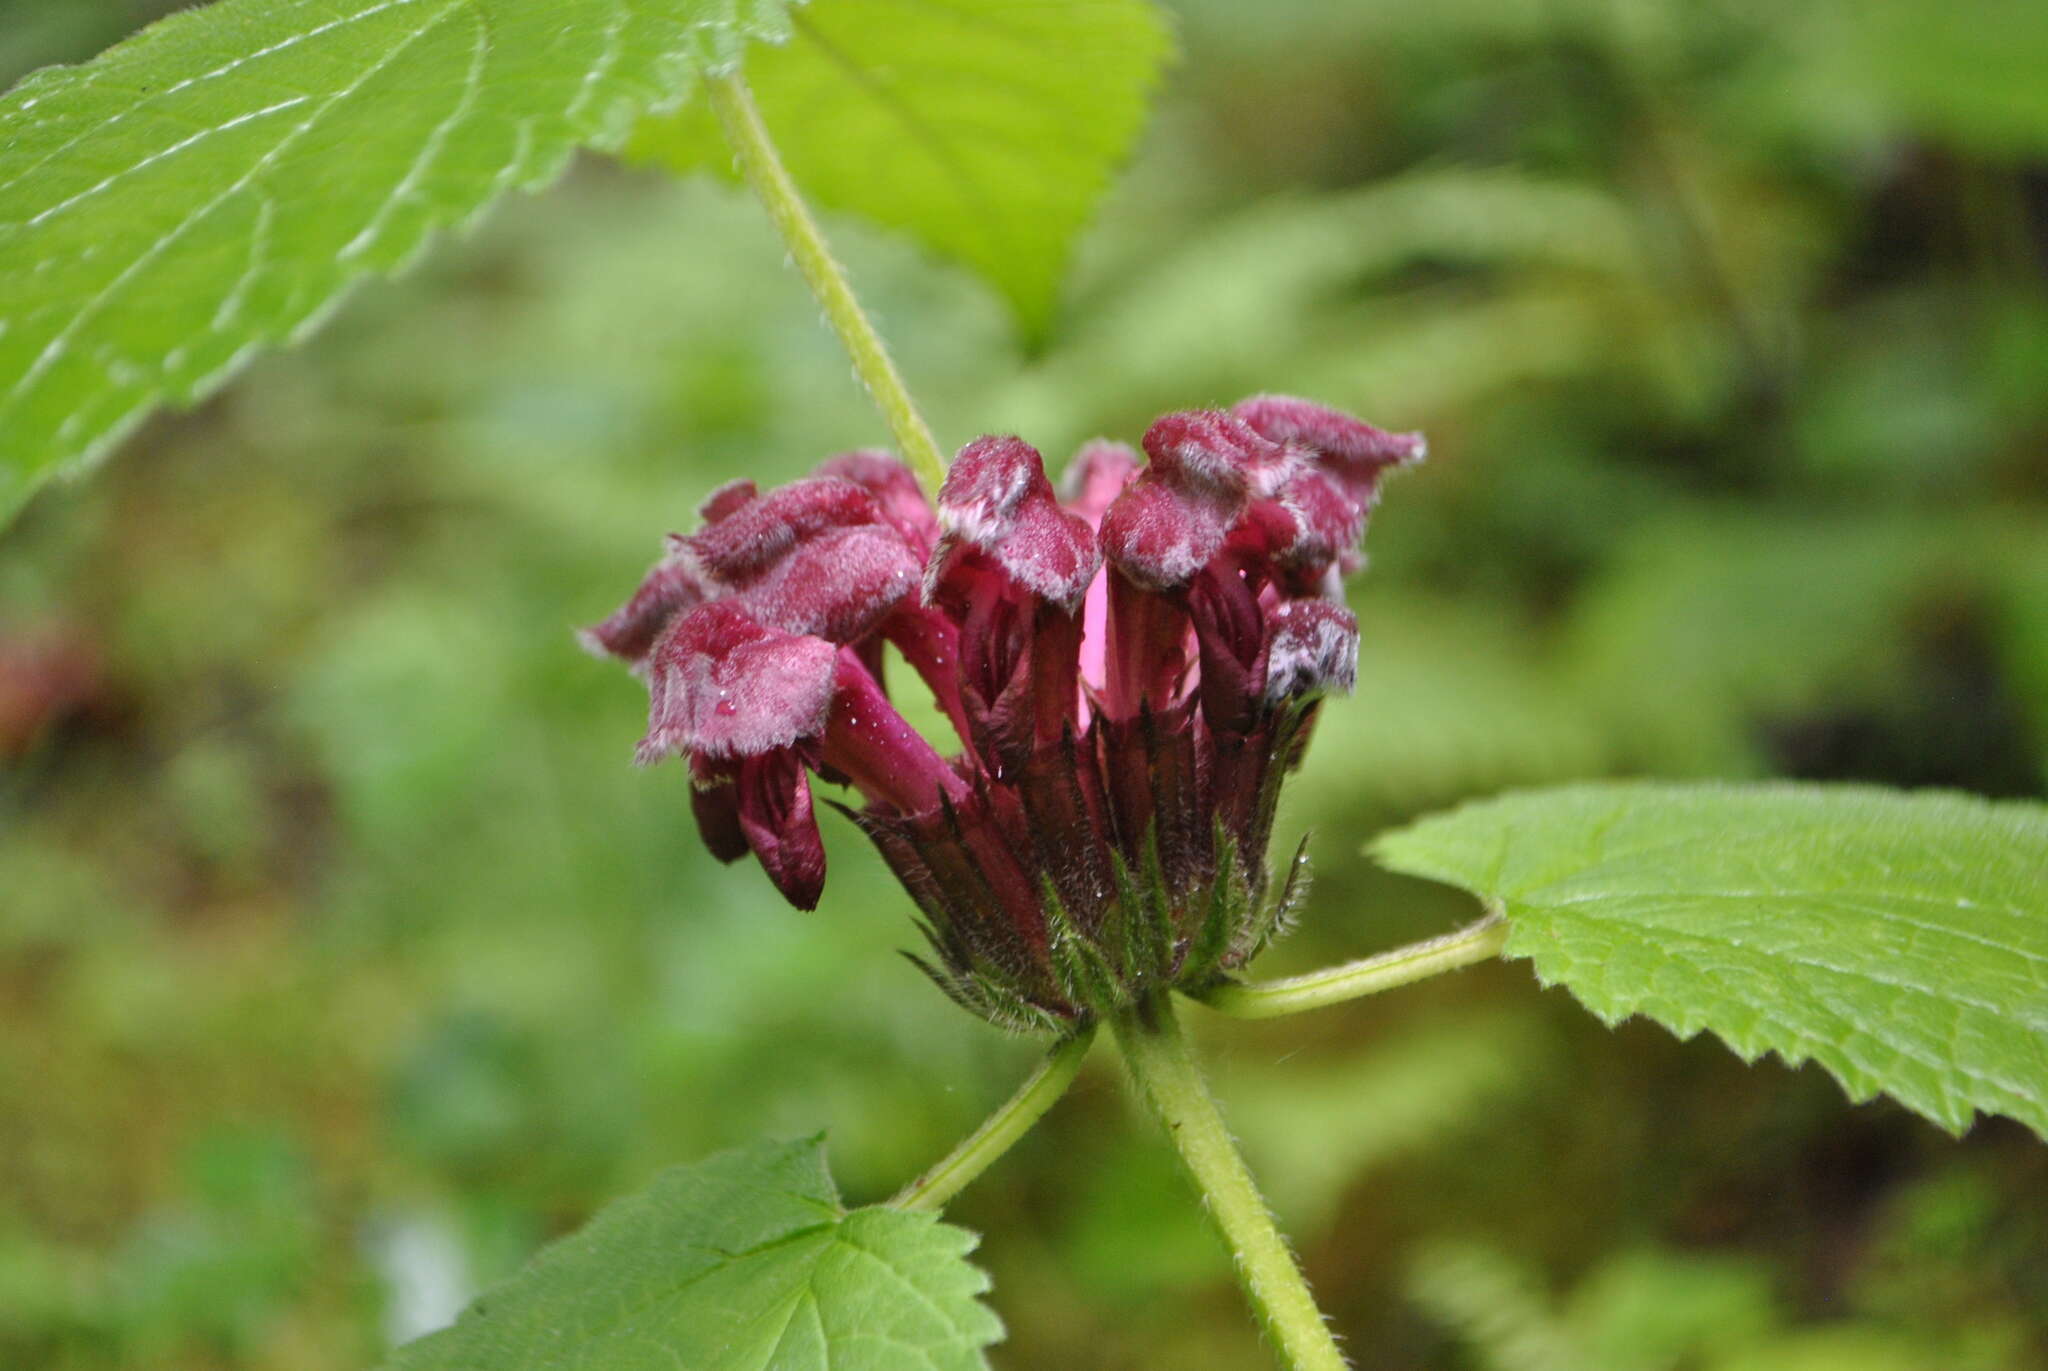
pixel 162 221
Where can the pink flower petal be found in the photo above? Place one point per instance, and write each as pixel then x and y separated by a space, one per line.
pixel 895 489
pixel 723 685
pixel 750 536
pixel 1310 526
pixel 997 501
pixel 727 499
pixel 1093 480
pixel 672 585
pixel 815 557
pixel 1214 448
pixel 839 584
pixel 1172 520
pixel 1355 451
pixel 1159 533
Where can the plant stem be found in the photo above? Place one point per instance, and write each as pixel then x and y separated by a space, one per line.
pixel 758 161
pixel 979 1149
pixel 1367 976
pixel 1170 1081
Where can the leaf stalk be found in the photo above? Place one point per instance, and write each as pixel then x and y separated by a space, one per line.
pixel 979 1149
pixel 1367 976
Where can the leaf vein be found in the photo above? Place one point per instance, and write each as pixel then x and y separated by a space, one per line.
pixel 92 73
pixel 57 345
pixel 431 146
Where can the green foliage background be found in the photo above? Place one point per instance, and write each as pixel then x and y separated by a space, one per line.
pixel 344 959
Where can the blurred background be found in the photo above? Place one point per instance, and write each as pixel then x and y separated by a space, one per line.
pixel 344 958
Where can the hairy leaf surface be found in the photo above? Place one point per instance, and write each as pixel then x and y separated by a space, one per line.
pixel 216 184
pixel 1898 939
pixel 739 1263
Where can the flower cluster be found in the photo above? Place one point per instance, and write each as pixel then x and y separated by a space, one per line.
pixel 1130 673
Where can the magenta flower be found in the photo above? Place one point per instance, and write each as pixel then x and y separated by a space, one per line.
pixel 1131 675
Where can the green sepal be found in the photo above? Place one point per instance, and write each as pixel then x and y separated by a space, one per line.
pixel 1223 914
pixel 1146 917
pixel 1278 915
pixel 1084 974
pixel 1009 1009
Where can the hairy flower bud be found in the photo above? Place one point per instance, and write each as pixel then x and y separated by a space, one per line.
pixel 1132 674
pixel 725 686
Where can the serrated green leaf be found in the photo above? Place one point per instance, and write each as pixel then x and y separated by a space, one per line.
pixel 1898 939
pixel 985 129
pixel 739 1263
pixel 214 185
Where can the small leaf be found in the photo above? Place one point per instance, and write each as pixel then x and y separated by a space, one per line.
pixel 1898 939
pixel 985 129
pixel 215 185
pixel 739 1263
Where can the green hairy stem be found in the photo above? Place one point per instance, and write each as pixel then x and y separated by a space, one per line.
pixel 1168 1078
pixel 758 161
